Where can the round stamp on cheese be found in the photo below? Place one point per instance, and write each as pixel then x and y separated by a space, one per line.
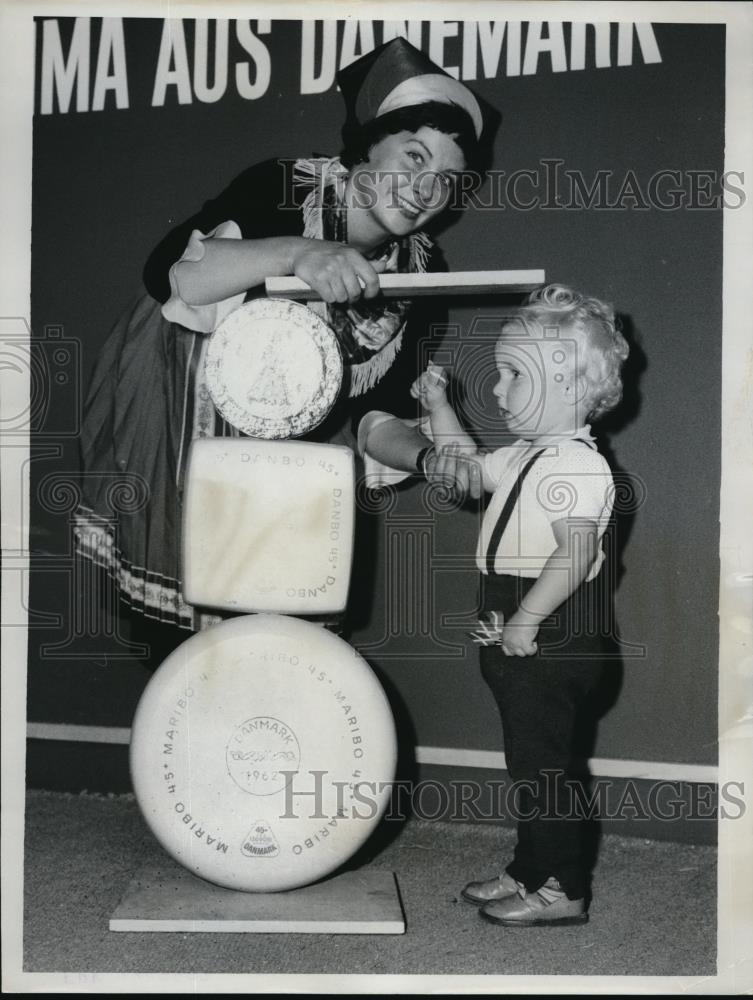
pixel 273 368
pixel 263 753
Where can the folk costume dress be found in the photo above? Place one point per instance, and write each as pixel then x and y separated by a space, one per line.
pixel 148 399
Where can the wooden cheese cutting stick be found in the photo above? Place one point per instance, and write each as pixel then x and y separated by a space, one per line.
pixel 439 283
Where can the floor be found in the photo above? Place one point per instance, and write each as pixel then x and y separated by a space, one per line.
pixel 653 909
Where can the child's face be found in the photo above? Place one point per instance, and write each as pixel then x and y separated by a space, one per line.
pixel 537 386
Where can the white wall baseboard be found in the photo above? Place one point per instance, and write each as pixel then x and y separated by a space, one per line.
pixel 77 734
pixel 601 767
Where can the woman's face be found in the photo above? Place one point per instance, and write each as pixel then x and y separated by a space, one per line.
pixel 407 180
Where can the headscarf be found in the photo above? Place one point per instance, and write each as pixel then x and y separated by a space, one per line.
pixel 398 75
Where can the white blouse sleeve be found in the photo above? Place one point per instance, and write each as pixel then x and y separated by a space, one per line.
pixel 376 474
pixel 205 318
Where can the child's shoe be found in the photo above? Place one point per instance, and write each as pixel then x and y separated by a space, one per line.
pixel 501 887
pixel 548 906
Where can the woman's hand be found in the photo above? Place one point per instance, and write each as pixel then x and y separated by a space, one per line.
pixel 448 467
pixel 336 272
pixel 519 636
pixel 430 388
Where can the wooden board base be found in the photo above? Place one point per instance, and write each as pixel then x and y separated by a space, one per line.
pixel 166 897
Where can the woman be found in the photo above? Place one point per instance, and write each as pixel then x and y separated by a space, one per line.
pixel 334 222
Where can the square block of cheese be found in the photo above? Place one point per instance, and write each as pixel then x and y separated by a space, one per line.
pixel 268 525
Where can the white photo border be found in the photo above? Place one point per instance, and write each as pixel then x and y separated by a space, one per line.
pixel 735 863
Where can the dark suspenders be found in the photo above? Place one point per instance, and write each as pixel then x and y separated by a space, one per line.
pixel 504 517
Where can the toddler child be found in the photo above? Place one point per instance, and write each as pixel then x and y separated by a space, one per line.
pixel 539 552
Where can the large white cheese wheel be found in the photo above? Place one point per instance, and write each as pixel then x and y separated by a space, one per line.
pixel 225 715
pixel 273 368
pixel 268 525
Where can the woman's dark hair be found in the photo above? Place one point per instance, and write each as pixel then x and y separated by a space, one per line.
pixel 448 118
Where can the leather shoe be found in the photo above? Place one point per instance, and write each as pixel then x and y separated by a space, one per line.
pixel 547 907
pixel 501 887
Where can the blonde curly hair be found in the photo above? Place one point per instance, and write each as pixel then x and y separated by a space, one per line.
pixel 593 321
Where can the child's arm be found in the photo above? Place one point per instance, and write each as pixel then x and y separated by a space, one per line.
pixel 430 389
pixel 565 570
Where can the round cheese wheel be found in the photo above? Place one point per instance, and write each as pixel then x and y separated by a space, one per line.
pixel 273 368
pixel 262 753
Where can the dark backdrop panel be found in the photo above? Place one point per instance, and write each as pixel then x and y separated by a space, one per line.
pixel 108 184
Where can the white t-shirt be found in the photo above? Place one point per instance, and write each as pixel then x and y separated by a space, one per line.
pixel 570 479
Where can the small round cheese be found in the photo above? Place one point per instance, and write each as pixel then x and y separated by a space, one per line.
pixel 273 368
pixel 262 753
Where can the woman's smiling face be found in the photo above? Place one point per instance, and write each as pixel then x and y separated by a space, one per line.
pixel 407 181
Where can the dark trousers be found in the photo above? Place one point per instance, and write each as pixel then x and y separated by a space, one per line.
pixel 546 705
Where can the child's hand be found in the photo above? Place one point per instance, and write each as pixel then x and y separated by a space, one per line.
pixel 519 637
pixel 430 387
